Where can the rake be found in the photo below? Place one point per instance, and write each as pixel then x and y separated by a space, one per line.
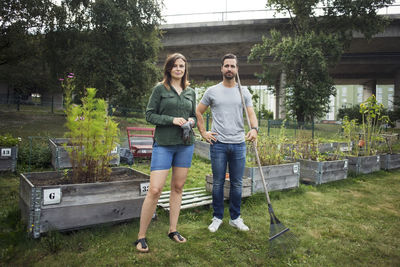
pixel 281 239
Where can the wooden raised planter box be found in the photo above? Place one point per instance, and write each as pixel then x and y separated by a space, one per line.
pixel 60 158
pixel 72 206
pixel 332 147
pixel 364 164
pixel 277 177
pixel 319 172
pixel 390 161
pixel 246 186
pixel 202 149
pixel 8 158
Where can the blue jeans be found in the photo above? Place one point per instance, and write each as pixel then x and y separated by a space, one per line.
pixel 235 156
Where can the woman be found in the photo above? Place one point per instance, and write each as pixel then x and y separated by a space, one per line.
pixel 172 105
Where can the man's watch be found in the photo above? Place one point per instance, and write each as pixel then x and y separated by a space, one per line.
pixel 255 128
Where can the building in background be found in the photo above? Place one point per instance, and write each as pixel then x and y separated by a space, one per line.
pixel 346 96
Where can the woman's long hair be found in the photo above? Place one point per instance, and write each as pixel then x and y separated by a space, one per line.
pixel 169 64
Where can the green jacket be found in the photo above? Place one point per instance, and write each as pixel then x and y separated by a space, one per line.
pixel 165 105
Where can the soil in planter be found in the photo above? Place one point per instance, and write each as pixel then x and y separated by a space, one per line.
pixel 59 178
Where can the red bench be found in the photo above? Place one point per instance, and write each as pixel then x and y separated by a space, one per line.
pixel 140 141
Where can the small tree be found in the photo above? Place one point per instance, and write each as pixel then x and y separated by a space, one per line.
pixel 311 46
pixel 93 135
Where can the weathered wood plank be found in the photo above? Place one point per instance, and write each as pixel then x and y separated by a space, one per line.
pixel 81 205
pixel 319 172
pixel 166 199
pixel 191 198
pixel 246 186
pixel 60 158
pixel 364 164
pixel 75 217
pixel 390 161
pixel 187 201
pixel 8 162
pixel 277 177
pixel 197 204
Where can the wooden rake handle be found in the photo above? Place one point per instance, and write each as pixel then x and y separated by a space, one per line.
pixel 255 142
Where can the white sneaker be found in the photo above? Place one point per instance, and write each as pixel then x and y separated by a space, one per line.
pixel 239 224
pixel 213 227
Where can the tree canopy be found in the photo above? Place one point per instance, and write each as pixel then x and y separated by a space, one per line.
pixel 319 32
pixel 111 45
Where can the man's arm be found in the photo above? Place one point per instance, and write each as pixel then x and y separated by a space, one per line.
pixel 252 134
pixel 208 136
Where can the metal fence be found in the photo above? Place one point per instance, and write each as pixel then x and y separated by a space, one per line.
pixel 18 103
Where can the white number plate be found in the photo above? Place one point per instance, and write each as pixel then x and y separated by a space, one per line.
pixel 295 168
pixel 144 187
pixel 6 152
pixel 51 196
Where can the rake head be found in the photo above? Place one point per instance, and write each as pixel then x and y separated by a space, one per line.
pixel 281 239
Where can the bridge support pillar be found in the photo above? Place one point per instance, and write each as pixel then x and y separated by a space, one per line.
pixel 369 89
pixel 280 97
pixel 397 89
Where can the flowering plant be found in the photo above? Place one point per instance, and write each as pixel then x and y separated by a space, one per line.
pixel 7 140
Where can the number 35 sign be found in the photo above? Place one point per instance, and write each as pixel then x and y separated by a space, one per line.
pixel 144 187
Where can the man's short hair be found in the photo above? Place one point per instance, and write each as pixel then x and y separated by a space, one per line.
pixel 230 56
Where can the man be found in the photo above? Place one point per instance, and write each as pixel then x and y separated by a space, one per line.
pixel 227 140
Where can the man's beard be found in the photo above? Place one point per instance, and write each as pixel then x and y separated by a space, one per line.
pixel 229 77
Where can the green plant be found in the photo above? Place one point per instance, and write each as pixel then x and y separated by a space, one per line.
pixel 7 140
pixel 351 133
pixel 271 149
pixel 93 135
pixel 308 149
pixel 352 112
pixel 34 154
pixel 371 128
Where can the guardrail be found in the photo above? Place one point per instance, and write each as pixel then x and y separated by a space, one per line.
pixel 251 14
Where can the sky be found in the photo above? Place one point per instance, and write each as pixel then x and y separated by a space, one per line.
pixel 199 6
pixel 218 7
pixel 174 7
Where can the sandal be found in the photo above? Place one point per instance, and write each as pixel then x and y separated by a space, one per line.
pixel 143 243
pixel 177 234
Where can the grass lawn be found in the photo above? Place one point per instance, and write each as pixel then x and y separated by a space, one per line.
pixel 353 222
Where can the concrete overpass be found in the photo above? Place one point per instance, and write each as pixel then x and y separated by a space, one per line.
pixel 372 62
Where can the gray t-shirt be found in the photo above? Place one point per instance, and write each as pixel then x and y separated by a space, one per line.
pixel 227 112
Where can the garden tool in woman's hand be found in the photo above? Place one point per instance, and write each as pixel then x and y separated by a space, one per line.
pixel 186 129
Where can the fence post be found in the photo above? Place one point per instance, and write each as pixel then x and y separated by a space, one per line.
pixel 52 104
pixel 18 100
pixel 313 129
pixel 30 153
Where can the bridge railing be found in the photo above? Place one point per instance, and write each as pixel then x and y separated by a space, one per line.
pixel 252 14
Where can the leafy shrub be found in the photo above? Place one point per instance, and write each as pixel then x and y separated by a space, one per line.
pixel 8 140
pixel 34 152
pixel 93 135
pixel 352 113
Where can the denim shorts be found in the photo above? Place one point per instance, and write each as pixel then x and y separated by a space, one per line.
pixel 164 157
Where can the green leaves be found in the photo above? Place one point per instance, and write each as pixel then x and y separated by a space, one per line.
pixel 311 46
pixel 93 135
